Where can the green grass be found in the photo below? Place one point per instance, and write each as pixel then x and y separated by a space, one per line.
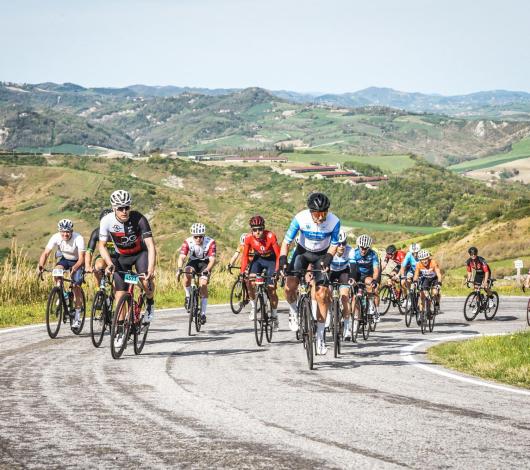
pixel 388 163
pixel 501 358
pixel 380 227
pixel 519 151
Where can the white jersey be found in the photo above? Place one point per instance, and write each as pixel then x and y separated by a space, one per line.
pixel 340 263
pixel 314 237
pixel 201 251
pixel 69 249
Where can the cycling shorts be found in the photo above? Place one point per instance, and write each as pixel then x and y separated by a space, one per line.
pixel 303 258
pixel 427 283
pixel 140 261
pixel 79 276
pixel 198 265
pixel 258 265
pixel 340 276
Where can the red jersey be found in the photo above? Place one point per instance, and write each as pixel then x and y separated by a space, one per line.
pixel 264 247
pixel 398 257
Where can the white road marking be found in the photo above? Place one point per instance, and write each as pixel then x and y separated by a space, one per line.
pixel 407 353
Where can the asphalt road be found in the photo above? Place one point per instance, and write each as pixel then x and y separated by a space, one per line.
pixel 217 400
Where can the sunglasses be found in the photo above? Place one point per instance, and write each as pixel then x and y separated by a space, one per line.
pixel 319 214
pixel 198 236
pixel 257 229
pixel 342 244
pixel 123 208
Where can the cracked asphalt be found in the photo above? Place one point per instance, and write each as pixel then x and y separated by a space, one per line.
pixel 217 400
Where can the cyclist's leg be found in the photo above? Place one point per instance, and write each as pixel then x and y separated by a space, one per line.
pixel 99 266
pixel 203 288
pixel 344 293
pixel 123 263
pixel 255 267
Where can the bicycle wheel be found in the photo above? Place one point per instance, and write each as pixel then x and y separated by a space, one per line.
pixel 356 324
pixel 124 304
pixel 54 311
pixel 192 306
pixel 385 296
pixel 471 306
pixel 490 312
pixel 371 321
pixel 269 322
pixel 410 310
pixel 259 318
pixel 335 311
pixel 97 318
pixel 140 335
pixel 432 316
pixel 77 331
pixel 402 303
pixel 365 322
pixel 422 316
pixel 307 332
pixel 197 316
pixel 528 313
pixel 237 296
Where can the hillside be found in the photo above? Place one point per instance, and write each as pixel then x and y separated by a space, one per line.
pixel 48 115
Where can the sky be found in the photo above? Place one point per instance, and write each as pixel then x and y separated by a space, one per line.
pixel 334 46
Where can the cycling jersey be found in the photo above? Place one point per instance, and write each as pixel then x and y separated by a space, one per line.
pixel 250 252
pixel 198 251
pixel 128 237
pixel 314 237
pixel 398 257
pixel 264 247
pixel 365 265
pixel 428 271
pixel 92 243
pixel 67 249
pixel 478 264
pixel 342 262
pixel 409 263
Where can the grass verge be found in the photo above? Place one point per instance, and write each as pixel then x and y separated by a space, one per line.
pixel 504 359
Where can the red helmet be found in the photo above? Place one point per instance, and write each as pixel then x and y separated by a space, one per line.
pixel 257 221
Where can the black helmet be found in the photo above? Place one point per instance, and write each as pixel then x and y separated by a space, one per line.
pixel 318 202
pixel 391 249
pixel 473 250
pixel 104 212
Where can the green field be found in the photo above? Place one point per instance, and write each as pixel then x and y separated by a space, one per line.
pixel 387 163
pixel 519 151
pixel 379 227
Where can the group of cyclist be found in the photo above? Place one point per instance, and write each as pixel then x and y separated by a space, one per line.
pixel 314 246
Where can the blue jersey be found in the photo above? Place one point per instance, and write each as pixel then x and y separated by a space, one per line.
pixel 340 263
pixel 314 237
pixel 409 263
pixel 367 263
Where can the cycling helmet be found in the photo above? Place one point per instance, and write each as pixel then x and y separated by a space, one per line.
pixel 198 229
pixel 257 221
pixel 423 254
pixel 242 238
pixel 65 225
pixel 364 241
pixel 342 236
pixel 415 247
pixel 120 198
pixel 473 250
pixel 104 212
pixel 318 202
pixel 391 249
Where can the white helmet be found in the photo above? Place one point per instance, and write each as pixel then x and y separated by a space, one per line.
pixel 65 225
pixel 423 254
pixel 120 198
pixel 198 229
pixel 242 238
pixel 415 247
pixel 342 236
pixel 364 241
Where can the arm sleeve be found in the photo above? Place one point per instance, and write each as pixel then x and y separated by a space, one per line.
pixel 184 249
pixel 145 228
pixel 292 231
pixel 52 242
pixel 335 234
pixel 94 237
pixel 103 231
pixel 212 249
pixel 80 243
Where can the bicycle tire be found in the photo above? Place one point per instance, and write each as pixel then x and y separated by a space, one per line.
pixel 335 311
pixel 409 311
pixel 269 322
pixel 78 331
pixel 365 322
pixel 191 308
pixel 528 313
pixel 385 295
pixel 487 311
pixel 126 301
pixel 402 303
pixel 237 296
pixel 197 314
pixel 140 335
pixel 356 324
pixel 258 320
pixel 432 318
pixel 423 323
pixel 371 320
pixel 472 303
pixel 307 333
pixel 54 311
pixel 98 317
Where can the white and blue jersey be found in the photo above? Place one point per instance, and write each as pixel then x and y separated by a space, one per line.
pixel 409 263
pixel 314 237
pixel 340 263
pixel 365 264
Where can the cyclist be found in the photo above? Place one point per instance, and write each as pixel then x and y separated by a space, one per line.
pixel 99 262
pixel 340 271
pixel 70 247
pixel 408 267
pixel 390 266
pixel 365 268
pixel 428 276
pixel 264 244
pixel 482 271
pixel 238 252
pixel 319 239
pixel 134 244
pixel 201 251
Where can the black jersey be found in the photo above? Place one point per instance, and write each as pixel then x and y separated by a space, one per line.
pixel 128 237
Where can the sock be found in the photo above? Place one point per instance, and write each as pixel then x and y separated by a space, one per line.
pixel 77 314
pixel 314 308
pixel 187 289
pixel 347 325
pixel 253 303
pixel 292 308
pixel 274 313
pixel 150 301
pixel 204 303
pixel 320 330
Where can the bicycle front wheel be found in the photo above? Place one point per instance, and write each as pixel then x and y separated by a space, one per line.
pixel 269 322
pixel 83 314
pixel 471 306
pixel 140 335
pixel 192 306
pixel 490 312
pixel 386 299
pixel 54 311
pixel 410 310
pixel 432 317
pixel 125 306
pixel 307 332
pixel 97 318
pixel 335 311
pixel 355 307
pixel 259 319
pixel 237 296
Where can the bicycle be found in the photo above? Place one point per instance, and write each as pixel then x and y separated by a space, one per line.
pixel 431 308
pixel 390 295
pixel 412 308
pixel 263 321
pixel 477 302
pixel 335 310
pixel 133 320
pixel 238 294
pixel 60 305
pixel 101 315
pixel 193 307
pixel 363 302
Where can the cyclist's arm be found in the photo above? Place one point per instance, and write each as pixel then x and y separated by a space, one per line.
pixel 375 267
pixel 181 260
pixel 151 255
pixel 234 257
pixel 104 252
pixel 284 250
pixel 487 273
pixel 92 243
pixel 469 272
pixel 276 249
pixel 438 273
pixel 416 273
pixel 244 257
pixel 44 257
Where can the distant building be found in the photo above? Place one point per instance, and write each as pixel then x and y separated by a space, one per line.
pixel 313 169
pixel 259 158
